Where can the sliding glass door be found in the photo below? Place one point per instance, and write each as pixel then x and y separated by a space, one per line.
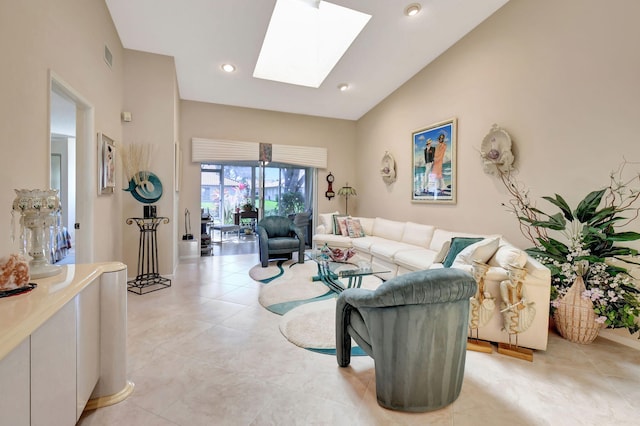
pixel 276 189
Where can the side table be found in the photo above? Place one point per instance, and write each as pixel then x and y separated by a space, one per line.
pixel 148 278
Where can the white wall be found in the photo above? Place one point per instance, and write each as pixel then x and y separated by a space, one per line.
pixel 68 38
pixel 150 92
pixel 549 73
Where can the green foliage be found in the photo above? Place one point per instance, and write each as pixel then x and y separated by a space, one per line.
pixel 291 202
pixel 589 233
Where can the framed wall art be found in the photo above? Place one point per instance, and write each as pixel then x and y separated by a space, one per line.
pixel 434 163
pixel 107 164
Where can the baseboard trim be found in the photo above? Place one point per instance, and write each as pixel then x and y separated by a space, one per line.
pixel 631 341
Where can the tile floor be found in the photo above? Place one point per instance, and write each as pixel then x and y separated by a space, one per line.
pixel 204 352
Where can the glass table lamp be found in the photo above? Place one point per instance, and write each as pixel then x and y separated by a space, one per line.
pixel 39 211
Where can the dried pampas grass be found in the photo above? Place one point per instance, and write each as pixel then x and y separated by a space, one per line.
pixel 136 161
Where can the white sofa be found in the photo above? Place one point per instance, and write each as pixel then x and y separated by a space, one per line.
pixel 401 247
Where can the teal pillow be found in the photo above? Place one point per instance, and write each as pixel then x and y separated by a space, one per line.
pixel 457 245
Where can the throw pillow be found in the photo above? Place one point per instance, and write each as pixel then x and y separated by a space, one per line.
pixel 342 223
pixel 354 227
pixel 443 252
pixel 481 251
pixel 326 219
pixel 509 255
pixel 336 223
pixel 457 245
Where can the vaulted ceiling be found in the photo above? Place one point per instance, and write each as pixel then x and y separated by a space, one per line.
pixel 204 34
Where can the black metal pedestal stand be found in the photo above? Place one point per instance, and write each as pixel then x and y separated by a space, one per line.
pixel 148 278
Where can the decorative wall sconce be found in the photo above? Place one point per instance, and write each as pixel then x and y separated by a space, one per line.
pixel 388 168
pixel 496 151
pixel 346 192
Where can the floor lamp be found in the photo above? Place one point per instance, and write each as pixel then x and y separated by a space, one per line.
pixel 347 191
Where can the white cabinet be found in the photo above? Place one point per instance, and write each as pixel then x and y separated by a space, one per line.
pixel 53 370
pixel 14 387
pixel 88 344
pixel 63 344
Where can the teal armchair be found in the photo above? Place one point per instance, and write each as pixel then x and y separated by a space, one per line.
pixel 279 238
pixel 414 326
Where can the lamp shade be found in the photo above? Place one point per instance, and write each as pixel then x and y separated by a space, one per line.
pixel 347 191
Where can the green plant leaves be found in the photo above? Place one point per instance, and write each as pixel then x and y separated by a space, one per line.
pixel 589 233
pixel 624 236
pixel 555 222
pixel 586 210
pixel 559 202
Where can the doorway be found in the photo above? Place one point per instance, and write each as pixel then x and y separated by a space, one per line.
pixel 71 124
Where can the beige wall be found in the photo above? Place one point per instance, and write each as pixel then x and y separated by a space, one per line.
pixel 560 76
pixel 67 37
pixel 212 121
pixel 150 96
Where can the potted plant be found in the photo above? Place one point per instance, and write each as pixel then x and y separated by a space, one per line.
pixel 584 243
pixel 247 206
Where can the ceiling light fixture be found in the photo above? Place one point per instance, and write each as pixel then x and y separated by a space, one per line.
pixel 343 87
pixel 413 9
pixel 228 68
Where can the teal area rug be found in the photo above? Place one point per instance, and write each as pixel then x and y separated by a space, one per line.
pixel 288 285
pixel 307 307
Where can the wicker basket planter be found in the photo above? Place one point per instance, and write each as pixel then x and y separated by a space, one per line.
pixel 574 317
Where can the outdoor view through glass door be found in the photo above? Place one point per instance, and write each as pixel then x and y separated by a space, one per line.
pixel 231 187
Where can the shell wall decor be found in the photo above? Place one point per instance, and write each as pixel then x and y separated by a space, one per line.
pixel 388 168
pixel 495 151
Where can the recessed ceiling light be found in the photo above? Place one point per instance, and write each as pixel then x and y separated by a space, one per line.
pixel 413 9
pixel 343 87
pixel 228 68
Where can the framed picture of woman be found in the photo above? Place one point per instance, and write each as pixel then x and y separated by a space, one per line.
pixel 434 163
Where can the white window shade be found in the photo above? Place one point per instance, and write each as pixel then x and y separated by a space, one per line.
pixel 308 156
pixel 210 150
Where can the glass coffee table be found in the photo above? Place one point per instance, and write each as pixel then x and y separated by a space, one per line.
pixel 330 272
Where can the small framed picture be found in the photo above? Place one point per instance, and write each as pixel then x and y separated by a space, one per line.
pixel 107 163
pixel 434 163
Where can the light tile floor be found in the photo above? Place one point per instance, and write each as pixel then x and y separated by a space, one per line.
pixel 204 352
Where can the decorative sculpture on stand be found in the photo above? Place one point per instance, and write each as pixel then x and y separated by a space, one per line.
pixel 39 211
pixel 481 309
pixel 143 185
pixel 517 312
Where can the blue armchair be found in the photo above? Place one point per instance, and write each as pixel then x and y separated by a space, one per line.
pixel 279 238
pixel 414 326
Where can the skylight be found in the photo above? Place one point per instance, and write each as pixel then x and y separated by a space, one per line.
pixel 305 40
